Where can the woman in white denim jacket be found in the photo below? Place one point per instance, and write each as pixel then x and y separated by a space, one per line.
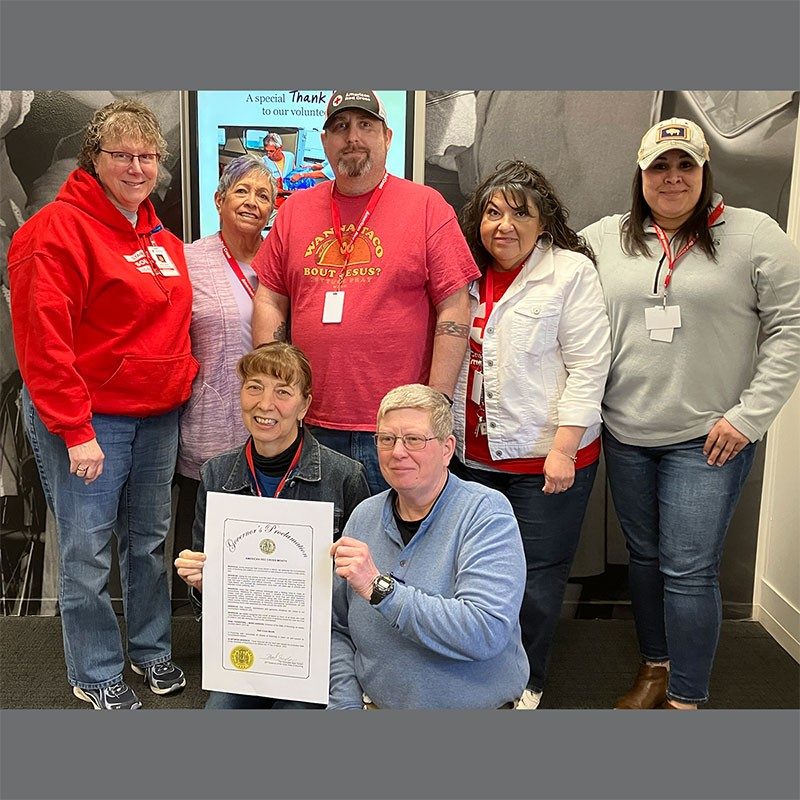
pixel 527 402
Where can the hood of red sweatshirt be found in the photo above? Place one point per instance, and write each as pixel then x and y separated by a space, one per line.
pixel 85 192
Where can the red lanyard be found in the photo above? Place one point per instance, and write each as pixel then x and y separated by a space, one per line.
pixel 488 296
pixel 665 246
pixel 347 249
pixel 237 270
pixel 248 452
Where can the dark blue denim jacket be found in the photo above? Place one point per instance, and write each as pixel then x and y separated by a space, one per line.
pixel 321 474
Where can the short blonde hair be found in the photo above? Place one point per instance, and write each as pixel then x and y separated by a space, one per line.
pixel 279 359
pixel 122 119
pixel 416 395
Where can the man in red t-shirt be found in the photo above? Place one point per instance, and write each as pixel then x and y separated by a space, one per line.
pixel 372 272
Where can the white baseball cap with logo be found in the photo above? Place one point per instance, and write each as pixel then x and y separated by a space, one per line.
pixel 673 134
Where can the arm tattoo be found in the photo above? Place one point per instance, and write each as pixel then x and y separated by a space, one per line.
pixel 280 333
pixel 449 328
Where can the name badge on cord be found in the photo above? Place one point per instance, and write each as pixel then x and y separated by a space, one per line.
pixel 661 321
pixel 477 388
pixel 334 307
pixel 163 261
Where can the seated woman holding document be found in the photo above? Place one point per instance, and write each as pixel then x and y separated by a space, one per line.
pixel 280 459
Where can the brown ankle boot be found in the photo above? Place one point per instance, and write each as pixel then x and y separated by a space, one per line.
pixel 648 691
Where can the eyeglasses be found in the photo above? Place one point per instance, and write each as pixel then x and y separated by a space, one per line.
pixel 411 441
pixel 121 157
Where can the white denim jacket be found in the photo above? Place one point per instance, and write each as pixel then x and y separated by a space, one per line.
pixel 546 354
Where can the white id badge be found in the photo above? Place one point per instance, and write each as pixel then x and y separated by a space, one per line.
pixel 334 307
pixel 477 388
pixel 662 334
pixel 659 317
pixel 163 261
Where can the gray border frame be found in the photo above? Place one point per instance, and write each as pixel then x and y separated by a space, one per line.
pixel 402 44
pixel 511 45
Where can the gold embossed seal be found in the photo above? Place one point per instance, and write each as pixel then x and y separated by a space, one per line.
pixel 267 547
pixel 242 657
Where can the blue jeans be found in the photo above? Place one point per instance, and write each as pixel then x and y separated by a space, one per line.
pixel 133 499
pixel 358 445
pixel 674 510
pixel 227 701
pixel 550 526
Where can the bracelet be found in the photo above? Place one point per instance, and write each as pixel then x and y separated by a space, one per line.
pixel 573 459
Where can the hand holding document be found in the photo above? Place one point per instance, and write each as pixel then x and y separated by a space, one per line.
pixel 189 564
pixel 267 597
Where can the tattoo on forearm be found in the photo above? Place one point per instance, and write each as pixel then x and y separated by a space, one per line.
pixel 449 328
pixel 280 333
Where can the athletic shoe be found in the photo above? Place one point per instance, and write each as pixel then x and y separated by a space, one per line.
pixel 529 701
pixel 163 678
pixel 119 697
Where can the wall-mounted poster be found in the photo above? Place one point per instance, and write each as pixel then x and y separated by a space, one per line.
pixel 281 126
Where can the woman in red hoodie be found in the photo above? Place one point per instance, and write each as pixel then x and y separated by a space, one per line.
pixel 100 306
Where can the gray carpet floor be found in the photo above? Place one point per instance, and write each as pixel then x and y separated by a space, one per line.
pixel 593 662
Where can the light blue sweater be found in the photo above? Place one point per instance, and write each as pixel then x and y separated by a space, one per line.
pixel 448 636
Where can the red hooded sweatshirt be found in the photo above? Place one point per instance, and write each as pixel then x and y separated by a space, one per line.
pixel 100 311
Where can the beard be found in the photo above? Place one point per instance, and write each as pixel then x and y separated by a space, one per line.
pixel 354 165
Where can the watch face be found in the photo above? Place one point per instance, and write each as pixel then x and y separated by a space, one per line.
pixel 381 587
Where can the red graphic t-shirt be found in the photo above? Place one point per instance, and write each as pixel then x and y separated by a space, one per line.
pixel 409 257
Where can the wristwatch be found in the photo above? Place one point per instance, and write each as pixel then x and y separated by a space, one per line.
pixel 382 587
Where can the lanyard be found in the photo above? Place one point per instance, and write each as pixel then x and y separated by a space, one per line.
pixel 347 249
pixel 665 246
pixel 488 296
pixel 248 451
pixel 237 270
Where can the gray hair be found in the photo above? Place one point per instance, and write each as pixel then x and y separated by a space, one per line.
pixel 415 395
pixel 239 168
pixel 273 138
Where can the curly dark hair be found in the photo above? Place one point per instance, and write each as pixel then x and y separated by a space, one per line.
pixel 632 233
pixel 523 187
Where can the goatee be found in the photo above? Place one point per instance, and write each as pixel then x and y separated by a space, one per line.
pixel 349 167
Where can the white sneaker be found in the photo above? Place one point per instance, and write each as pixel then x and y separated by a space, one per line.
pixel 529 701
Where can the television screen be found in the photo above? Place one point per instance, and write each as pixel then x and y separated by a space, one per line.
pixel 281 126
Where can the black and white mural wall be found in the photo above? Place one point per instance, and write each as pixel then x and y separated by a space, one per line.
pixel 586 143
pixel 40 135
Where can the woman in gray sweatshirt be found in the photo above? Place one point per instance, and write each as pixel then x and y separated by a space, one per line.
pixel 704 304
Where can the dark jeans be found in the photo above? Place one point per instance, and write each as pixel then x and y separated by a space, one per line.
pixel 358 445
pixel 550 526
pixel 674 510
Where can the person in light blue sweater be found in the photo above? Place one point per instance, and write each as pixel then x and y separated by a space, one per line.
pixel 429 577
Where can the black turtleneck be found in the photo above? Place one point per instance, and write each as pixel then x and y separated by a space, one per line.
pixel 408 528
pixel 277 466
